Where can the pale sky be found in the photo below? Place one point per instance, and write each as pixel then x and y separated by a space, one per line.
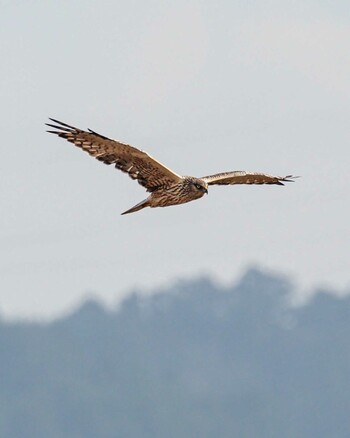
pixel 203 87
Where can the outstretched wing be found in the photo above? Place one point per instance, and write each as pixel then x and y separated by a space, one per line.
pixel 241 177
pixel 136 163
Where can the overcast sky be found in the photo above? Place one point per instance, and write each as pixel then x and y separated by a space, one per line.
pixel 202 86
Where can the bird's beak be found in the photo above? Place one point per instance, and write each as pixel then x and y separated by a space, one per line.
pixel 206 191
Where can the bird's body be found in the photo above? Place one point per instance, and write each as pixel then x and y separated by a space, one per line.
pixel 175 194
pixel 166 187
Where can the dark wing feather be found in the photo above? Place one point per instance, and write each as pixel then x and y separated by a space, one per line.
pixel 136 163
pixel 241 177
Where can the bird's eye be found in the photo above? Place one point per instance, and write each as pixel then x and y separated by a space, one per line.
pixel 198 186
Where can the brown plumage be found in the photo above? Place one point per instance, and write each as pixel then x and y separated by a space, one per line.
pixel 166 187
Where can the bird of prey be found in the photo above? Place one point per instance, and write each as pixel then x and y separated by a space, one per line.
pixel 165 186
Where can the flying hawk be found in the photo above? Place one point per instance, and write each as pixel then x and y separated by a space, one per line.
pixel 166 187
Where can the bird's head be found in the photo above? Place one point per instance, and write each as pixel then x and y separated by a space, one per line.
pixel 197 186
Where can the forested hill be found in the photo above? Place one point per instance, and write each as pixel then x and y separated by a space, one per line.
pixel 193 361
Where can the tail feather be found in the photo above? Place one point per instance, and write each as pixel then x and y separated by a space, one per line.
pixel 137 207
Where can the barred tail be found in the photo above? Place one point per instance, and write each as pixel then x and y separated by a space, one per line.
pixel 137 207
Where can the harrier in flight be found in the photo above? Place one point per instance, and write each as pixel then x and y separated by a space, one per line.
pixel 166 187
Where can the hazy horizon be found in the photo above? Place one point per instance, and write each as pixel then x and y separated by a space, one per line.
pixel 191 362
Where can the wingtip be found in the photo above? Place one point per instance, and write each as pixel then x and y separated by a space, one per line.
pixel 55 121
pixel 61 125
pixel 290 178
